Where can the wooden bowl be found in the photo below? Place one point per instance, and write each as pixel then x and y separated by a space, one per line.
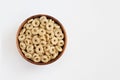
pixel 18 45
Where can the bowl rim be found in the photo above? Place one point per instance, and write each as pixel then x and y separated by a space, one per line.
pixel 36 16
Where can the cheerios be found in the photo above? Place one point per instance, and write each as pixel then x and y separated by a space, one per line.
pixel 29 26
pixel 59 48
pixel 30 21
pixel 22 45
pixel 54 40
pixel 45 59
pixel 42 32
pixel 28 33
pixel 36 59
pixel 39 49
pixel 35 40
pixel 28 42
pixel 22 31
pixel 36 22
pixel 34 31
pixel 52 50
pixel 28 55
pixel 21 37
pixel 60 43
pixel 49 26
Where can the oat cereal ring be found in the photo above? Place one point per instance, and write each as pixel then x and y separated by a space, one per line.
pixel 43 43
pixel 58 32
pixel 29 26
pixel 34 31
pixel 28 33
pixel 35 23
pixel 42 38
pixel 30 49
pixel 47 37
pixel 47 48
pixel 22 45
pixel 51 21
pixel 30 21
pixel 24 51
pixel 50 33
pixel 28 41
pixel 44 21
pixel 22 31
pixel 28 37
pixel 53 56
pixel 56 26
pixel 44 59
pixel 35 40
pixel 49 26
pixel 43 17
pixel 21 37
pixel 35 55
pixel 52 50
pixel 28 55
pixel 41 31
pixel 61 36
pixel 36 59
pixel 60 43
pixel 42 26
pixel 59 48
pixel 54 40
pixel 39 49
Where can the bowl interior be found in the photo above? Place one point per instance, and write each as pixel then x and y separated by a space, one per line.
pixel 36 16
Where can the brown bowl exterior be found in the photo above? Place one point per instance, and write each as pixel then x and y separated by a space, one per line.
pixel 18 45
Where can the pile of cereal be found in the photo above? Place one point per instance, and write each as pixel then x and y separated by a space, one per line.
pixel 41 39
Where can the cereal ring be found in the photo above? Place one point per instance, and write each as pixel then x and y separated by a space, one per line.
pixel 24 51
pixel 34 31
pixel 44 21
pixel 53 56
pixel 29 26
pixel 43 43
pixel 30 49
pixel 47 37
pixel 47 48
pixel 30 21
pixel 54 40
pixel 42 26
pixel 58 32
pixel 35 40
pixel 28 55
pixel 51 34
pixel 22 31
pixel 39 49
pixel 51 21
pixel 28 42
pixel 28 33
pixel 61 36
pixel 52 50
pixel 43 17
pixel 35 23
pixel 42 38
pixel 28 37
pixel 60 43
pixel 49 26
pixel 42 32
pixel 35 55
pixel 44 59
pixel 21 37
pixel 56 26
pixel 59 48
pixel 36 59
pixel 22 45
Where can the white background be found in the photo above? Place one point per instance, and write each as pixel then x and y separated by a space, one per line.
pixel 93 48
